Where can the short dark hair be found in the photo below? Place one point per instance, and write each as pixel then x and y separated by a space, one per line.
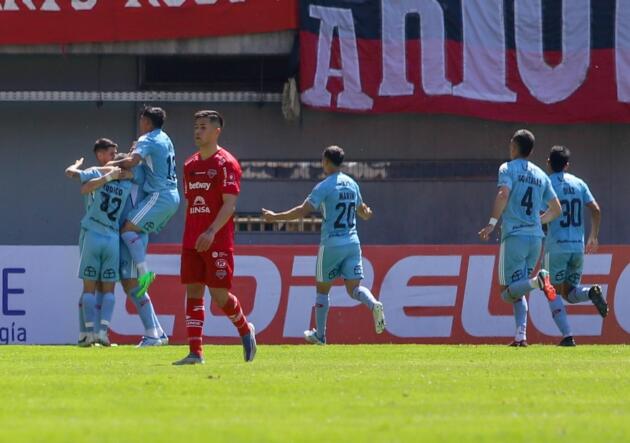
pixel 103 143
pixel 213 116
pixel 155 114
pixel 525 140
pixel 335 154
pixel 559 157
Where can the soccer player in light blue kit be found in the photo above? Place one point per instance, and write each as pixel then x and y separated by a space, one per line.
pixel 155 151
pixel 564 245
pixel 524 192
pixel 105 151
pixel 339 199
pixel 100 260
pixel 154 335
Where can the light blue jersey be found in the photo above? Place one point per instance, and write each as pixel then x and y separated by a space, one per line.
pixel 158 155
pixel 85 176
pixel 337 197
pixel 105 213
pixel 566 233
pixel 530 190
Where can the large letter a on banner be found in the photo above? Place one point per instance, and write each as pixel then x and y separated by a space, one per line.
pixel 352 96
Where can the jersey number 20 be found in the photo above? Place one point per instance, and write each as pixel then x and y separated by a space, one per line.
pixel 347 210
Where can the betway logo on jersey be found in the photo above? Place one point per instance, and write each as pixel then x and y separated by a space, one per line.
pixel 431 294
pixel 199 185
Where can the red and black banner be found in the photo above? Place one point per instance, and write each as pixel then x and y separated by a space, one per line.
pixel 542 61
pixel 75 21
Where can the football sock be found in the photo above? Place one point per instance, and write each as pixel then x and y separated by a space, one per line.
pixel 195 315
pixel 559 314
pixel 82 328
pixel 363 294
pixel 137 249
pixel 97 312
pixel 579 294
pixel 517 289
pixel 147 315
pixel 322 305
pixel 233 310
pixel 88 302
pixel 107 310
pixel 520 317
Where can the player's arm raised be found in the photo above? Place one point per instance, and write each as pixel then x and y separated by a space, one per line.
pixel 596 220
pixel 296 213
pixel 206 239
pixel 73 170
pixel 500 202
pixel 96 183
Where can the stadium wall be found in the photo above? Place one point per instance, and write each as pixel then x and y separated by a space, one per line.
pixel 42 207
pixel 431 294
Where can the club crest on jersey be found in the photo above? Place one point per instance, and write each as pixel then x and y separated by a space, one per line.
pixel 89 272
pixel 215 254
pixel 221 274
pixel 221 263
pixel 149 226
pixel 212 173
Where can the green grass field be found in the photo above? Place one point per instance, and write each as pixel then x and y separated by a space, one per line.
pixel 319 394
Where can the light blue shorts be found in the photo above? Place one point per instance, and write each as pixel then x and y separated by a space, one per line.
pixel 154 212
pixel 99 257
pixel 565 267
pixel 339 261
pixel 127 265
pixel 518 257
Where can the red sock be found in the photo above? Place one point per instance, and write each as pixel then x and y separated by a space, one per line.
pixel 195 315
pixel 235 313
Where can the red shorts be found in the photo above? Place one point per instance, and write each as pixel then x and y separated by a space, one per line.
pixel 211 268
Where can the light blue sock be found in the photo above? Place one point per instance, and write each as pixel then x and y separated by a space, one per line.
pixel 559 314
pixel 516 290
pixel 322 305
pixel 82 328
pixel 579 294
pixel 97 312
pixel 107 310
pixel 136 246
pixel 363 294
pixel 88 302
pixel 520 317
pixel 147 315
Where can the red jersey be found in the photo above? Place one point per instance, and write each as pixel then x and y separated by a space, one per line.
pixel 205 182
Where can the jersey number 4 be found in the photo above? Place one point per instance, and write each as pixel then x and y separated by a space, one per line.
pixel 527 201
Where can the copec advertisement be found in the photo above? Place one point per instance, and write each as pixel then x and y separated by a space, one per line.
pixel 431 294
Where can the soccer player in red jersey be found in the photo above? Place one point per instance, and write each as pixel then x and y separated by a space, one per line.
pixel 211 186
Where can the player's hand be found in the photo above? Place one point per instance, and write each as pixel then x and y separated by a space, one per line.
pixel 592 245
pixel 365 212
pixel 115 173
pixel 71 170
pixel 268 216
pixel 484 234
pixel 133 146
pixel 204 241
